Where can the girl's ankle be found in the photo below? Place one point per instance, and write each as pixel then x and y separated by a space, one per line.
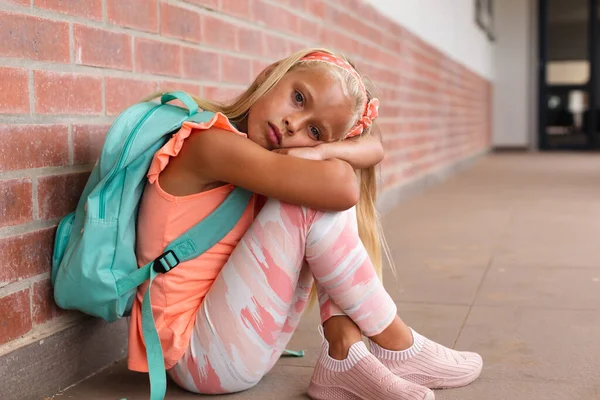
pixel 341 333
pixel 339 349
pixel 396 337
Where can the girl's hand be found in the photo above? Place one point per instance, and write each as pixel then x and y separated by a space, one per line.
pixel 308 153
pixel 359 153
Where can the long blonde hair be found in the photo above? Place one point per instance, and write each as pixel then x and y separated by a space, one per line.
pixel 369 225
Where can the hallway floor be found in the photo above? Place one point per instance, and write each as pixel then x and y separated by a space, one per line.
pixel 502 259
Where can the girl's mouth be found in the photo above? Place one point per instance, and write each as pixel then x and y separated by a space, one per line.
pixel 274 135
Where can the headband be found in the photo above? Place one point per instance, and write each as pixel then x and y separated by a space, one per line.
pixel 371 110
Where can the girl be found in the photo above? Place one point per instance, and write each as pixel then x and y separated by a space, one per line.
pixel 225 318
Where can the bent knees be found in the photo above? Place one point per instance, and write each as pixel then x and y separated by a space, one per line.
pixel 203 379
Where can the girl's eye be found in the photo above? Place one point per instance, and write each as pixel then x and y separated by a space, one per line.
pixel 314 132
pixel 298 97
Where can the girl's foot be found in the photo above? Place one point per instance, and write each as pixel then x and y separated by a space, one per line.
pixel 361 376
pixel 430 364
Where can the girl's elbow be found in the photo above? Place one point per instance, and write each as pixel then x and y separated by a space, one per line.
pixel 354 194
pixel 350 192
pixel 346 189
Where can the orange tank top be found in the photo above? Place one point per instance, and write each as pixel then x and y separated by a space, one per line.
pixel 177 295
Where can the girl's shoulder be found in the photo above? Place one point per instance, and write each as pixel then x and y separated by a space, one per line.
pixel 209 120
pixel 217 123
pixel 176 160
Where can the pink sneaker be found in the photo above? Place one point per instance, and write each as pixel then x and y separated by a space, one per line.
pixel 430 364
pixel 360 377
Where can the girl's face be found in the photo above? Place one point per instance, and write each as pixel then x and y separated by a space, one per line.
pixel 308 106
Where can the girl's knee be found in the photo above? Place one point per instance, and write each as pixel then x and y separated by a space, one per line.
pixel 238 385
pixel 305 216
pixel 197 381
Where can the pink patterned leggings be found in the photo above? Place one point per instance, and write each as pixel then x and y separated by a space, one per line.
pixel 255 304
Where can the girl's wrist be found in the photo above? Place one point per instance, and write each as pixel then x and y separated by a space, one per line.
pixel 323 150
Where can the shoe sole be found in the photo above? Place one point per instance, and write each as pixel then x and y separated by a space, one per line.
pixel 319 392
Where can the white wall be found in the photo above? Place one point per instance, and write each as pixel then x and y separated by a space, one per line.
pixel 448 25
pixel 513 112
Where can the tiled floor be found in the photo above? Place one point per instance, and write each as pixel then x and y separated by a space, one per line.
pixel 503 259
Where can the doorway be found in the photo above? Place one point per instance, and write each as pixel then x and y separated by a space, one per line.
pixel 569 95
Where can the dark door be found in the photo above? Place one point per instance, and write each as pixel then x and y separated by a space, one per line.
pixel 569 104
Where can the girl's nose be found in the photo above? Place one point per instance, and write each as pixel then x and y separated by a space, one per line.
pixel 290 126
pixel 293 123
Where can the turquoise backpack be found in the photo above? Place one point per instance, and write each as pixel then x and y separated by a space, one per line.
pixel 94 265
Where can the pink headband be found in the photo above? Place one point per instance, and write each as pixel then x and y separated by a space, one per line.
pixel 371 108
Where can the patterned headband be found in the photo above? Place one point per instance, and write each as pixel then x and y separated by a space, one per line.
pixel 371 110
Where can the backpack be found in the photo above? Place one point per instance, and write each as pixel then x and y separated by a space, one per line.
pixel 94 265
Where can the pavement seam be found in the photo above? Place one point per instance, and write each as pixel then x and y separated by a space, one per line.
pixel 487 270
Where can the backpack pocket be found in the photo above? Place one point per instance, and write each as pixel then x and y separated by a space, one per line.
pixel 60 242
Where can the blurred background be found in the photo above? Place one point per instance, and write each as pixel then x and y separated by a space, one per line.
pixel 489 189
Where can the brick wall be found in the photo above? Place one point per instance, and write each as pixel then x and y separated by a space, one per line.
pixel 68 67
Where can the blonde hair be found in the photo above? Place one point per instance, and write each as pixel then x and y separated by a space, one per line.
pixel 369 225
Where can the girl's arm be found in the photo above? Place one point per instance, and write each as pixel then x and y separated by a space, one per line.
pixel 361 152
pixel 217 155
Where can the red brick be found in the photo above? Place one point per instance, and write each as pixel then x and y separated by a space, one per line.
pixel 219 33
pixel 345 21
pixel 87 142
pixel 300 5
pixel 237 8
pixel 26 255
pixel 274 18
pixel 102 48
pixel 308 28
pixel 58 195
pixel 14 83
pixel 212 4
pixel 156 57
pixel 235 69
pixel 17 203
pixel 349 4
pixel 369 14
pixel 249 41
pixel 316 8
pixel 33 146
pixel 258 67
pixel 180 23
pixel 275 47
pixel 26 3
pixel 267 14
pixel 91 9
pixel 44 308
pixel 15 314
pixel 33 38
pixel 138 14
pixel 220 93
pixel 200 64
pixel 122 93
pixel 57 93
pixel 172 86
pixel 295 47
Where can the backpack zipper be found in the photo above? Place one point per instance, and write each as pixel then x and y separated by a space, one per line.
pixel 123 157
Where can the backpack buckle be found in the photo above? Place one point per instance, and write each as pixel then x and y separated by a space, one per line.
pixel 165 262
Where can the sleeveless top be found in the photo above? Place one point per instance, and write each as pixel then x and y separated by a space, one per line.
pixel 177 295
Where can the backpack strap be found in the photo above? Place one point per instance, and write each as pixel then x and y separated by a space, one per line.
pixel 193 243
pixel 185 98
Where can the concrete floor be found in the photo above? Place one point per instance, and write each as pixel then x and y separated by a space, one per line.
pixel 502 259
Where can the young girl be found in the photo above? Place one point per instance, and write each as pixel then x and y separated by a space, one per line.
pixel 225 318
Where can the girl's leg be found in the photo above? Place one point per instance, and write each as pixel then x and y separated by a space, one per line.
pixel 256 301
pixel 406 353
